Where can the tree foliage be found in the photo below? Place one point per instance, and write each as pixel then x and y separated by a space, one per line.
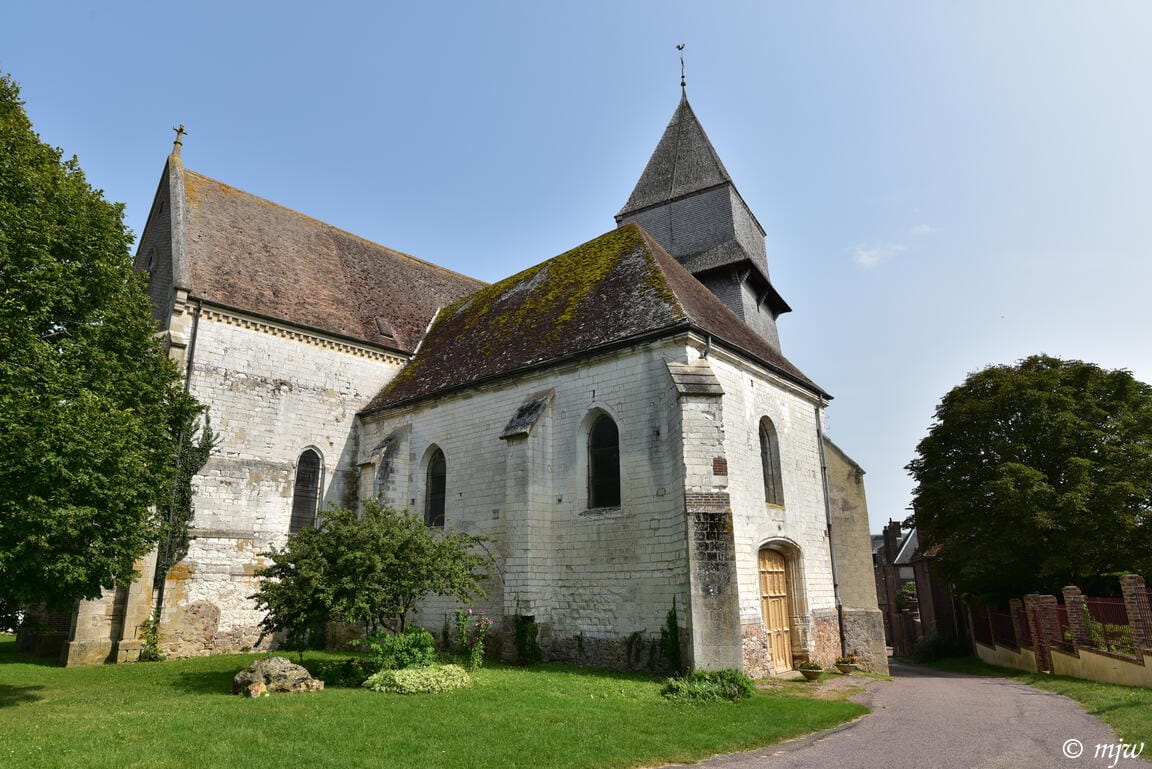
pixel 368 568
pixel 87 394
pixel 1037 475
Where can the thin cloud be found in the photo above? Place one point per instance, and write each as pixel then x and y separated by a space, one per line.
pixel 923 229
pixel 868 256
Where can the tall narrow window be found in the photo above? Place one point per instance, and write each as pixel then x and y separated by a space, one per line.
pixel 306 492
pixel 604 463
pixel 434 494
pixel 770 460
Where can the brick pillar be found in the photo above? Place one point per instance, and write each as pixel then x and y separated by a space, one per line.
pixel 1044 627
pixel 1074 605
pixel 1139 610
pixel 1019 622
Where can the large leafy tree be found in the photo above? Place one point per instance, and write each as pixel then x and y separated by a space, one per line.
pixel 1037 475
pixel 368 568
pixel 90 411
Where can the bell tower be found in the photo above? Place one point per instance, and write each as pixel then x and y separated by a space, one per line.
pixel 686 200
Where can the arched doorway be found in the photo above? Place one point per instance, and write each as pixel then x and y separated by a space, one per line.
pixel 775 606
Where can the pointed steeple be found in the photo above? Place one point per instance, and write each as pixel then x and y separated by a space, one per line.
pixel 686 200
pixel 684 162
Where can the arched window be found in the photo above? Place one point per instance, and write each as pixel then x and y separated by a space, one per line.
pixel 306 491
pixel 603 463
pixel 770 461
pixel 434 492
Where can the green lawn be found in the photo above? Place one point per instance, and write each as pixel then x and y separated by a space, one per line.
pixel 1127 709
pixel 181 714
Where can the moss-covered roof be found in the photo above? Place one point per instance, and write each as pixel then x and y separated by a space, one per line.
pixel 618 287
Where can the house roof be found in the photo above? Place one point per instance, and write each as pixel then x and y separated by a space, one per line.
pixel 908 548
pixel 615 289
pixel 245 252
pixel 683 162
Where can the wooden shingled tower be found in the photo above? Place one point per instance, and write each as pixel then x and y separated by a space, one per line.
pixel 686 200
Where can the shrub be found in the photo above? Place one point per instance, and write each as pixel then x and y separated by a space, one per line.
pixel 527 648
pixel 708 685
pixel 414 648
pixel 350 672
pixel 670 641
pixel 150 641
pixel 441 678
pixel 809 665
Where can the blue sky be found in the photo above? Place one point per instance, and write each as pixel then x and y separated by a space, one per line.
pixel 944 185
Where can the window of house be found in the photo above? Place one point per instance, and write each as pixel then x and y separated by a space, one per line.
pixel 770 461
pixel 604 463
pixel 306 492
pixel 434 493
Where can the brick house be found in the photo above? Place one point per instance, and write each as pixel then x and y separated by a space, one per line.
pixel 619 419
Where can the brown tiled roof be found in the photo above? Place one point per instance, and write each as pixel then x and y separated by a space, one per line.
pixel 251 254
pixel 618 287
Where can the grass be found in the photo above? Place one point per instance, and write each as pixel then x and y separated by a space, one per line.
pixel 181 713
pixel 1127 709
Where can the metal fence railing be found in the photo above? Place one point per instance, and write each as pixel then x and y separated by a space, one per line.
pixel 1106 624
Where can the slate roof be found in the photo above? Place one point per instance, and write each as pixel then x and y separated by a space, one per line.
pixel 613 290
pixel 683 162
pixel 244 252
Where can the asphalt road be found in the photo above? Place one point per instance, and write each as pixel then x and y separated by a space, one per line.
pixel 926 719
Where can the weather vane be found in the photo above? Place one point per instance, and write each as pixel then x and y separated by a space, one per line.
pixel 180 133
pixel 680 48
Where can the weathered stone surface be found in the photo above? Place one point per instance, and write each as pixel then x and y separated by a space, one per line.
pixel 275 674
pixel 256 690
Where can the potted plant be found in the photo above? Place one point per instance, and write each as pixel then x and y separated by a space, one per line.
pixel 810 670
pixel 846 664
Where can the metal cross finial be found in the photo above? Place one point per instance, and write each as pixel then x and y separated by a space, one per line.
pixel 680 48
pixel 180 133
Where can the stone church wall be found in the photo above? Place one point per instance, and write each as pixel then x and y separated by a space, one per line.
pixel 599 582
pixel 798 527
pixel 273 392
pixel 852 544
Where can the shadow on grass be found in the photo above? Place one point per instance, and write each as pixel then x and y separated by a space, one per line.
pixel 9 655
pixel 205 682
pixel 11 696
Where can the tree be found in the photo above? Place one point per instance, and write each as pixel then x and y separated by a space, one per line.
pixel 87 394
pixel 1035 476
pixel 368 568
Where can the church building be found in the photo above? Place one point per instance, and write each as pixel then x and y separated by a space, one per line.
pixel 619 421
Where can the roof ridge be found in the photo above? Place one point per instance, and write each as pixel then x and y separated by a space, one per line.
pixel 327 225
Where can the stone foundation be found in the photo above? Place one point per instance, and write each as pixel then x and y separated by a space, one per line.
pixel 864 638
pixel 824 637
pixel 757 651
pixel 637 652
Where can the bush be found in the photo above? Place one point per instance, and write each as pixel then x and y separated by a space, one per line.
pixel 414 648
pixel 708 685
pixel 349 673
pixel 441 678
pixel 527 648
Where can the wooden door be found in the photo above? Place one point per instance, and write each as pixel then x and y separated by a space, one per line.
pixel 775 607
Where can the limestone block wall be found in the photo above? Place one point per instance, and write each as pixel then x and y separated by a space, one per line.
pixel 599 582
pixel 272 392
pixel 852 546
pixel 798 527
